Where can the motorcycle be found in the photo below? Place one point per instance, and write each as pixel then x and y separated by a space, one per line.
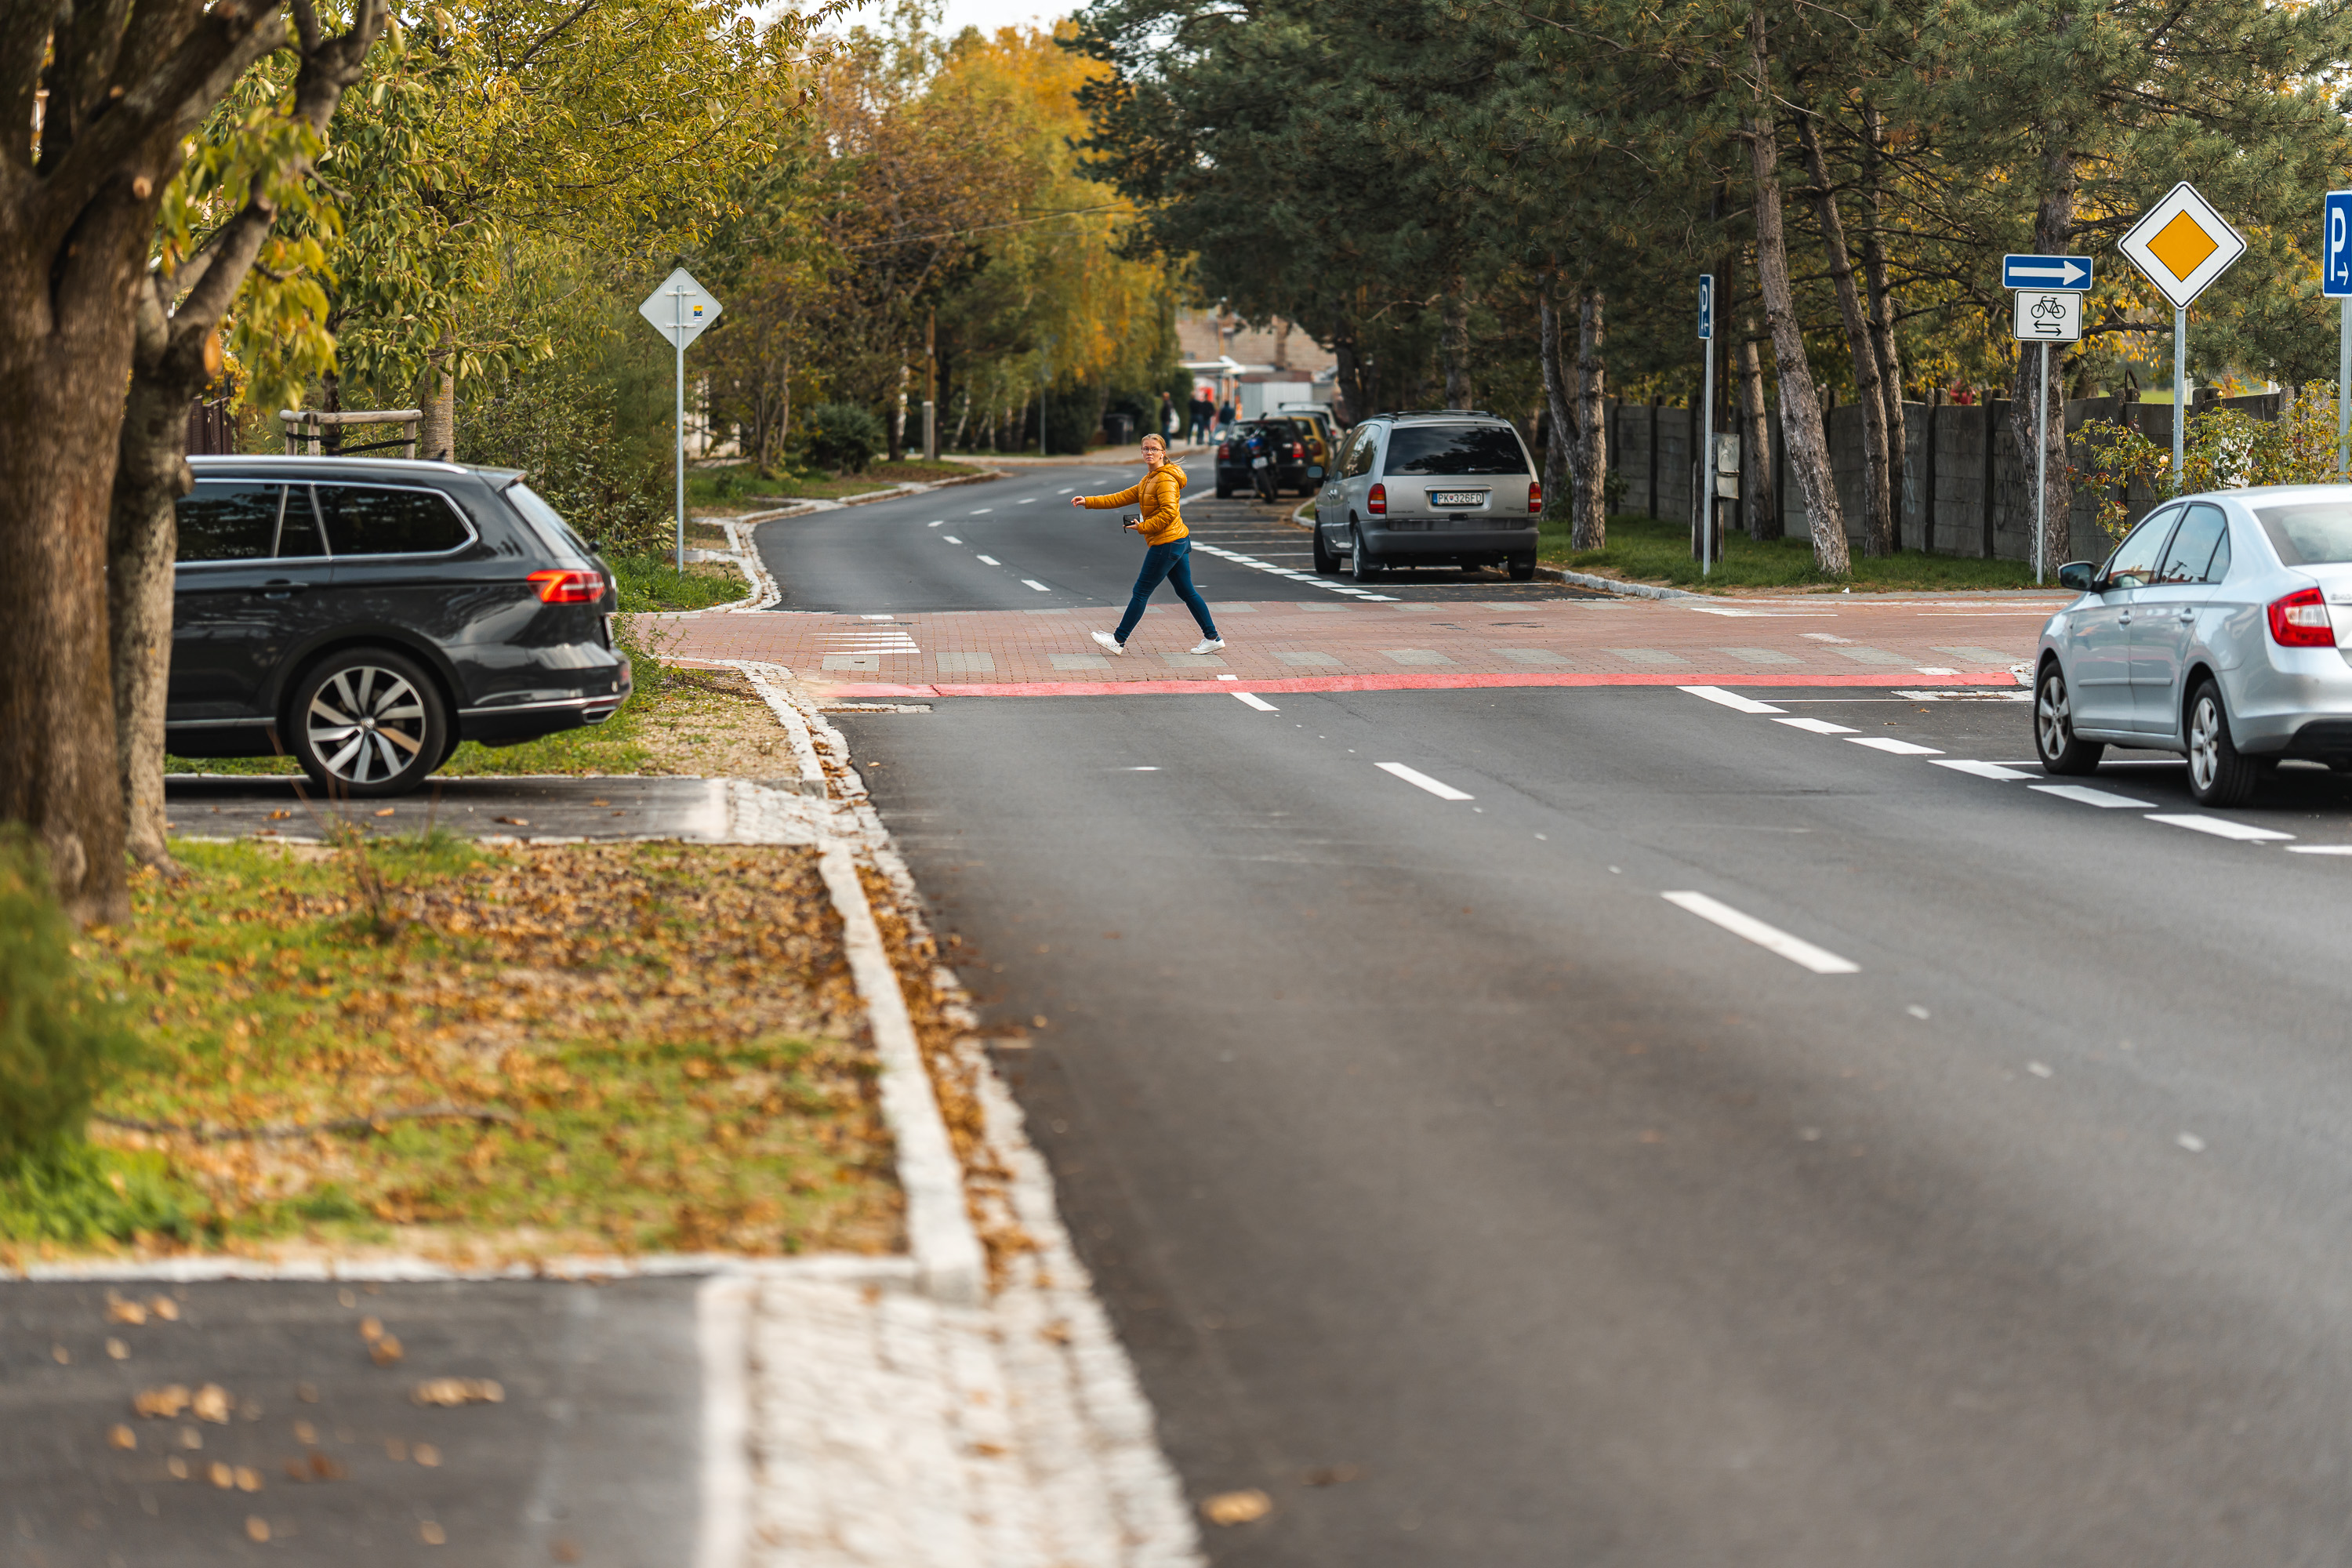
pixel 1265 453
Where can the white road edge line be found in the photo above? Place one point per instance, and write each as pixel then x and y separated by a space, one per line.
pixel 1033 582
pixel 1772 938
pixel 2219 827
pixel 2083 795
pixel 1419 780
pixel 1891 746
pixel 1254 701
pixel 1731 700
pixel 2319 848
pixel 1984 770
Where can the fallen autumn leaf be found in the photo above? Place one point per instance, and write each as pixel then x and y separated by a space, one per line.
pixel 1237 1508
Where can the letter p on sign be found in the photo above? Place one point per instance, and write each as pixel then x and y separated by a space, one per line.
pixel 2336 260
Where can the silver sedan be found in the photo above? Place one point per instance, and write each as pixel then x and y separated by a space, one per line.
pixel 2211 631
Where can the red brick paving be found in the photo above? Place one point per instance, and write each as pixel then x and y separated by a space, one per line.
pixel 1285 645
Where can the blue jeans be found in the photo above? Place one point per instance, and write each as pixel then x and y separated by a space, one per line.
pixel 1173 561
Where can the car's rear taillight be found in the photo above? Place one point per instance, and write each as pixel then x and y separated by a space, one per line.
pixel 1535 496
pixel 1224 451
pixel 1377 502
pixel 568 586
pixel 1298 451
pixel 2301 620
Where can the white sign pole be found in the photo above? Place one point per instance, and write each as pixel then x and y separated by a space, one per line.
pixel 2041 463
pixel 2179 391
pixel 1706 471
pixel 2343 385
pixel 678 294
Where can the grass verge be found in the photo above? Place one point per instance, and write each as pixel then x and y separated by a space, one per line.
pixel 1644 550
pixel 440 1047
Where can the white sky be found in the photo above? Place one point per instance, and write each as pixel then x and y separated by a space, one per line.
pixel 990 14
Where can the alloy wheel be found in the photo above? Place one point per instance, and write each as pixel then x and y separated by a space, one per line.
pixel 2053 717
pixel 2204 743
pixel 365 724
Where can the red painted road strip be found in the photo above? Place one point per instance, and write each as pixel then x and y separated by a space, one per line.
pixel 1400 683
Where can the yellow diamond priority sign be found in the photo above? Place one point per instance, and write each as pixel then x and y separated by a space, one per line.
pixel 2182 244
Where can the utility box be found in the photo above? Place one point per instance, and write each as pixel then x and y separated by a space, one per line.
pixel 1726 465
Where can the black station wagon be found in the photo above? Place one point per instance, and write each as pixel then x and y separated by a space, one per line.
pixel 365 616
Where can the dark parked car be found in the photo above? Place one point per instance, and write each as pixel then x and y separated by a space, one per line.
pixel 1281 443
pixel 365 616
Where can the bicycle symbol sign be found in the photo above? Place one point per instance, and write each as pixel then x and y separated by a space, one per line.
pixel 2049 316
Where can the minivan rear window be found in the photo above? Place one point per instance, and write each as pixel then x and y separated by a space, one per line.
pixel 1454 449
pixel 2313 534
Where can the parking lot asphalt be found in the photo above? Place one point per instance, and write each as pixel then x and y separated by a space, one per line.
pixel 547 806
pixel 323 1449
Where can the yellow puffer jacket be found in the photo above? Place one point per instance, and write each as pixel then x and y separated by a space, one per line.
pixel 1155 493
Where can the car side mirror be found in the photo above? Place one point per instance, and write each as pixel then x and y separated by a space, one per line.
pixel 2076 574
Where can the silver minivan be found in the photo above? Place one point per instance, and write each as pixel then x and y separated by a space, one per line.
pixel 1449 487
pixel 2220 628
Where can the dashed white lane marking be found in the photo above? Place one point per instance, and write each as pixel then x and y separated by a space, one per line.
pixel 1067 490
pixel 1033 582
pixel 1891 746
pixel 941 523
pixel 1422 781
pixel 1985 769
pixel 1770 938
pixel 1732 700
pixel 1028 500
pixel 2319 848
pixel 2083 795
pixel 989 561
pixel 1815 726
pixel 1254 701
pixel 2219 827
pixel 950 538
pixel 980 511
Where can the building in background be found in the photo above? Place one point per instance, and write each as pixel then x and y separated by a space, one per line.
pixel 1255 368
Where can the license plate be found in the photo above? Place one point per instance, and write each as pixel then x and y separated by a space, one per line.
pixel 1258 462
pixel 1456 498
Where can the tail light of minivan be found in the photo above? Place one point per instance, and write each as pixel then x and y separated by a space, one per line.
pixel 2301 620
pixel 1376 503
pixel 1535 495
pixel 568 586
pixel 1224 451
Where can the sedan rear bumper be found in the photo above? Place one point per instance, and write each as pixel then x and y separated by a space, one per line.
pixel 2296 704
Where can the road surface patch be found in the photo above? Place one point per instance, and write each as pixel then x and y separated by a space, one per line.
pixel 1770 938
pixel 1419 780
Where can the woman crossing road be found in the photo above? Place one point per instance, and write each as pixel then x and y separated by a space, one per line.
pixel 1170 553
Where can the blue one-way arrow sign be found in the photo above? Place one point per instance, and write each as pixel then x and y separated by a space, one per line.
pixel 2045 272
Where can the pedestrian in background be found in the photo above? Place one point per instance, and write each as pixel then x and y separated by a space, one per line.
pixel 1203 411
pixel 1161 523
pixel 1224 419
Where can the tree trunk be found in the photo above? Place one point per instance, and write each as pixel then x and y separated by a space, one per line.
pixel 436 434
pixel 61 377
pixel 1591 526
pixel 2054 230
pixel 898 415
pixel 1456 350
pixel 1801 408
pixel 1878 536
pixel 1881 324
pixel 1560 419
pixel 1760 494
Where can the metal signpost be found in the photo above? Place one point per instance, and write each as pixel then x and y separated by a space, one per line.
pixel 2181 245
pixel 679 311
pixel 1706 441
pixel 2046 317
pixel 2336 283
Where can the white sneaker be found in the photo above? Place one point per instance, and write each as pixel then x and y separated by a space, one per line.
pixel 1210 644
pixel 1113 644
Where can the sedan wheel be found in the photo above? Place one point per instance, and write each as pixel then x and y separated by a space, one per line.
pixel 368 722
pixel 2218 775
pixel 2053 728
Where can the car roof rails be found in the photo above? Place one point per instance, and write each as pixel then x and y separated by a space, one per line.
pixel 1417 413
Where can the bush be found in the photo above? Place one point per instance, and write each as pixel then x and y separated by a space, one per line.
pixel 842 437
pixel 59 1037
pixel 562 429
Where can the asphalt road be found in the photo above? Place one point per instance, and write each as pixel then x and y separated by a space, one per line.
pixel 1991 1207
pixel 1016 543
pixel 592 1455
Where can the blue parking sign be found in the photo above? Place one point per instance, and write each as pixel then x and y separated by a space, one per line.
pixel 2335 245
pixel 1706 307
